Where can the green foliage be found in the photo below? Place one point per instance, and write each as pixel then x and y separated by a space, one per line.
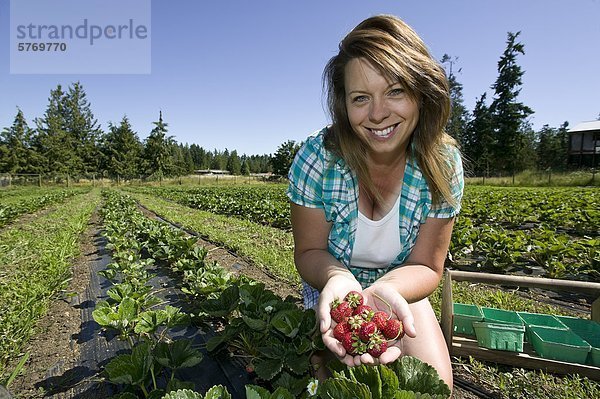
pixel 508 114
pixel 122 150
pixel 17 154
pixel 35 264
pixel 67 135
pixel 407 377
pixel 157 153
pixel 457 123
pixel 283 157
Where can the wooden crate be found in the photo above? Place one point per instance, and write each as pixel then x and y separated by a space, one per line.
pixel 464 346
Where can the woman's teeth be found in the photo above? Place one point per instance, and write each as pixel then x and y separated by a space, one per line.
pixel 384 132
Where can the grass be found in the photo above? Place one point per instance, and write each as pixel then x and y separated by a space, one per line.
pixel 534 178
pixel 34 266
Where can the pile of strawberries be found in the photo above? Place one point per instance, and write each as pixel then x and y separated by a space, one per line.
pixel 360 329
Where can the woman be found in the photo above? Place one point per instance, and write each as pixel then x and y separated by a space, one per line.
pixel 374 194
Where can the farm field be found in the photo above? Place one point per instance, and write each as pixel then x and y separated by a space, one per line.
pixel 543 232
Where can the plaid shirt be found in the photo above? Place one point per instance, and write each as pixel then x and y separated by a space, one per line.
pixel 318 179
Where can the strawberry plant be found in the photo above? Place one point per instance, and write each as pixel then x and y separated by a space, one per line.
pixel 279 337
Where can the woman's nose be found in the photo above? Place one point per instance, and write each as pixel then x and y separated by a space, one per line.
pixel 379 111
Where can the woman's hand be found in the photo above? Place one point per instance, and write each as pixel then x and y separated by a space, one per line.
pixel 384 296
pixel 337 287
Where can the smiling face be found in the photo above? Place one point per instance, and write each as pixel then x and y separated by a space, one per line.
pixel 380 111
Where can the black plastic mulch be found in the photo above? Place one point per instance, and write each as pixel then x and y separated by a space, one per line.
pixel 97 347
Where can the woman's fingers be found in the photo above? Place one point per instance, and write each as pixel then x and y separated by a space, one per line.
pixel 391 354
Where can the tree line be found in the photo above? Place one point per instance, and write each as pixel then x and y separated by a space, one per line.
pixel 67 140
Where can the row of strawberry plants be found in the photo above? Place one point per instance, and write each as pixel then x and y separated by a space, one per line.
pixel 35 262
pixel 275 336
pixel 135 311
pixel 559 255
pixel 263 204
pixel 490 232
pixel 575 210
pixel 11 208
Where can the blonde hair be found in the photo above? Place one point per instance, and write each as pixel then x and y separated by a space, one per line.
pixel 396 50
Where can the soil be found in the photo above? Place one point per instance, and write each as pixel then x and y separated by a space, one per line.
pixel 55 351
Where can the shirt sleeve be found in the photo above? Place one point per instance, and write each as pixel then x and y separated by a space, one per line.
pixel 444 209
pixel 306 176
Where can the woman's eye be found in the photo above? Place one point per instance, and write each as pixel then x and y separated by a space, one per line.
pixel 396 92
pixel 359 99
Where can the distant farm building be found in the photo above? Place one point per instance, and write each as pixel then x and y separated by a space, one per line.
pixel 584 144
pixel 211 172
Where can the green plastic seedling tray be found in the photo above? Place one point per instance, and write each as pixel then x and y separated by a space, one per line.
pixel 500 336
pixel 539 320
pixel 589 331
pixel 464 316
pixel 559 344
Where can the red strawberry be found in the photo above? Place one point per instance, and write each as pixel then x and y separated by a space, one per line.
pixel 354 298
pixel 380 319
pixel 341 329
pixel 394 329
pixel 349 343
pixel 367 330
pixel 377 350
pixel 340 310
pixel 365 311
pixel 377 345
pixel 355 322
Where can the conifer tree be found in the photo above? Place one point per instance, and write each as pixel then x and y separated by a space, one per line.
pixel 55 145
pixel 188 160
pixel 234 165
pixel 508 113
pixel 479 139
pixel 16 152
pixel 457 123
pixel 122 150
pixel 245 170
pixel 282 160
pixel 82 128
pixel 157 150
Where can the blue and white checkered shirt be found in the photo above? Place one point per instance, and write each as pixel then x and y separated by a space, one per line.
pixel 319 179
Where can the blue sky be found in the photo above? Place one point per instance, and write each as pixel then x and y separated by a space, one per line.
pixel 246 75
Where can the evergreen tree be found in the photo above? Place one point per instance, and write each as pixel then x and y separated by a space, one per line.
pixel 83 130
pixel 122 150
pixel 55 145
pixel 188 159
pixel 282 160
pixel 216 161
pixel 564 137
pixel 178 165
pixel 245 169
pixel 552 147
pixel 457 123
pixel 16 152
pixel 234 165
pixel 526 156
pixel 157 150
pixel 479 138
pixel 508 113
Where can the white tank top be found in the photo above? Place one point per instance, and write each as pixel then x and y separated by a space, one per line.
pixel 377 242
